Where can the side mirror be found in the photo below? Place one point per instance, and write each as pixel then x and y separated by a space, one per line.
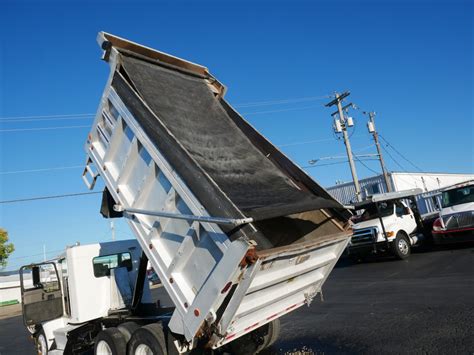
pixel 406 210
pixel 35 272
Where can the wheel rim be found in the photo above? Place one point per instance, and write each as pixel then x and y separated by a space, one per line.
pixel 143 349
pixel 103 348
pixel 403 246
pixel 41 345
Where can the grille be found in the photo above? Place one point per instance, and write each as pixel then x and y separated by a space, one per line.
pixel 459 220
pixel 364 236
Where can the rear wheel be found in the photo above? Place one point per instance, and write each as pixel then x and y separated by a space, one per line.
pixel 32 329
pixel 41 343
pixel 148 340
pixel 401 246
pixel 257 340
pixel 110 342
pixel 127 330
pixel 272 335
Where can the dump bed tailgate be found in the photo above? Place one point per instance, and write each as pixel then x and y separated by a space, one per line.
pixel 281 280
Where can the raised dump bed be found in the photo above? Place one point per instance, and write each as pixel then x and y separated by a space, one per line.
pixel 238 234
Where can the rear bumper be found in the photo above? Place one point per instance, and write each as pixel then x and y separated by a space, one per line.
pixel 453 236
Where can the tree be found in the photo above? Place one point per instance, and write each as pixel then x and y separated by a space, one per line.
pixel 5 248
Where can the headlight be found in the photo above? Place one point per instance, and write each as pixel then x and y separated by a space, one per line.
pixel 437 225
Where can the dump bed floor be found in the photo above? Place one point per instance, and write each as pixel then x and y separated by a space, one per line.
pixel 184 106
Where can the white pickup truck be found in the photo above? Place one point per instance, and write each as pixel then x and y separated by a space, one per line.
pixel 387 224
pixel 237 233
pixel 456 218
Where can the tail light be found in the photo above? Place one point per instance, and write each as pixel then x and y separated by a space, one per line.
pixel 437 225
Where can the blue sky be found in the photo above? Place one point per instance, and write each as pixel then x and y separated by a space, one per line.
pixel 410 61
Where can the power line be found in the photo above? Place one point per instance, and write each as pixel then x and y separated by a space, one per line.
pixel 49 197
pixel 306 142
pixel 41 170
pixel 33 255
pixel 88 126
pixel 398 152
pixel 365 165
pixel 393 159
pixel 282 101
pixel 40 129
pixel 47 116
pixel 327 164
pixel 247 104
pixel 46 119
pixel 281 110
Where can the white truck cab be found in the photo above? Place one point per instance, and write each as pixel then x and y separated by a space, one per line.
pixel 387 223
pixel 84 286
pixel 456 218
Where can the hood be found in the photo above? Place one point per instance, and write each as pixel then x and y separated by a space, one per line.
pixel 464 207
pixel 374 223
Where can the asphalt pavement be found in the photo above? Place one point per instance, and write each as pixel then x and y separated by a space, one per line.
pixel 421 305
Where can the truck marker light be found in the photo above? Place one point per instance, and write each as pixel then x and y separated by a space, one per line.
pixel 230 336
pixel 252 326
pixel 226 287
pixel 390 234
pixel 197 312
pixel 272 316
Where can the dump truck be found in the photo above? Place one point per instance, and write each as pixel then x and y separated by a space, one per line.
pixel 236 232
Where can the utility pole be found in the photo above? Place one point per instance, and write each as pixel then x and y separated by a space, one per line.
pixel 371 127
pixel 112 229
pixel 341 126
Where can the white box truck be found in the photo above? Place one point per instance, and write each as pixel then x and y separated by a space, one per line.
pixel 236 232
pixel 389 223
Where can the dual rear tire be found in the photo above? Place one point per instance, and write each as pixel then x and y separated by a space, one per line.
pixel 130 338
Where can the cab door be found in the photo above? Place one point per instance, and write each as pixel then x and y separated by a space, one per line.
pixel 40 293
pixel 405 217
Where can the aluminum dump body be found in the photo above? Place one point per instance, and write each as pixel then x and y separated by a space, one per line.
pixel 168 145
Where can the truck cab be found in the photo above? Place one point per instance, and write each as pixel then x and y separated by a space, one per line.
pixel 386 223
pixel 66 300
pixel 456 218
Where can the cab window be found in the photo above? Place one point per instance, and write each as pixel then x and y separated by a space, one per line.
pixel 43 276
pixel 103 264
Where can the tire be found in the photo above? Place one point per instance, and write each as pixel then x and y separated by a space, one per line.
pixel 41 343
pixel 273 333
pixel 257 340
pixel 110 342
pixel 401 246
pixel 149 339
pixel 127 330
pixel 32 329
